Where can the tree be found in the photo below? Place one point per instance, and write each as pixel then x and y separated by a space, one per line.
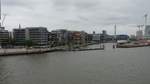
pixel 29 43
pixel 11 41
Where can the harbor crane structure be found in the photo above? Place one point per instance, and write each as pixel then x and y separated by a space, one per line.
pixel 2 19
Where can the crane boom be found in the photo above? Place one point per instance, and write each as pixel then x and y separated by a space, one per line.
pixel 4 19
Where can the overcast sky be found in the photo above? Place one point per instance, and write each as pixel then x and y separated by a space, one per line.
pixel 87 15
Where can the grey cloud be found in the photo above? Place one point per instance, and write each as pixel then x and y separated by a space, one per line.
pixel 87 5
pixel 13 3
pixel 75 12
pixel 19 3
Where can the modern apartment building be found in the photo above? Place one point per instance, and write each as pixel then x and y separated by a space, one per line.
pixel 52 38
pixel 79 37
pixel 38 35
pixel 4 37
pixel 61 36
pixel 19 36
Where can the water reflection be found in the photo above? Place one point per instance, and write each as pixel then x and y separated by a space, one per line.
pixel 119 66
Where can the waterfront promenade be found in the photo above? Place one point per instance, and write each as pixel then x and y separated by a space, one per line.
pixel 21 51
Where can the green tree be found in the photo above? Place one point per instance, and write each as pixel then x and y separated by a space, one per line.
pixel 29 43
pixel 11 41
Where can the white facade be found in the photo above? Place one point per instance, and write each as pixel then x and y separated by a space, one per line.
pixel 139 34
pixel 147 31
pixel 96 37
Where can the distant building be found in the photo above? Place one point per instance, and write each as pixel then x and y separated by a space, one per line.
pixel 133 37
pixel 96 37
pixel 52 38
pixel 4 37
pixel 79 37
pixel 139 34
pixel 2 28
pixel 19 36
pixel 38 35
pixel 63 37
pixel 147 31
pixel 122 37
pixel 89 37
pixel 109 38
pixel 60 36
pixel 84 37
pixel 103 37
pixel 104 32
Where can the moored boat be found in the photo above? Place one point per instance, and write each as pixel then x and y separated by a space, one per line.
pixel 132 45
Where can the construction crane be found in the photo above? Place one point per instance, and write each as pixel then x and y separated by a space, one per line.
pixel 4 19
pixel 140 27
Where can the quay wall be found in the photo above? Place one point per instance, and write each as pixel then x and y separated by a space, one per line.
pixel 23 51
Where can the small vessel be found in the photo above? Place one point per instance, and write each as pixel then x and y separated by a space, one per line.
pixel 132 44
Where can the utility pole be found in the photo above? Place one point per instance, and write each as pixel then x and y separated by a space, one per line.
pixel 100 40
pixel 145 16
pixel 145 24
pixel 115 36
pixel 115 29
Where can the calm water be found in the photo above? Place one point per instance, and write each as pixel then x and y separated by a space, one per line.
pixel 120 66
